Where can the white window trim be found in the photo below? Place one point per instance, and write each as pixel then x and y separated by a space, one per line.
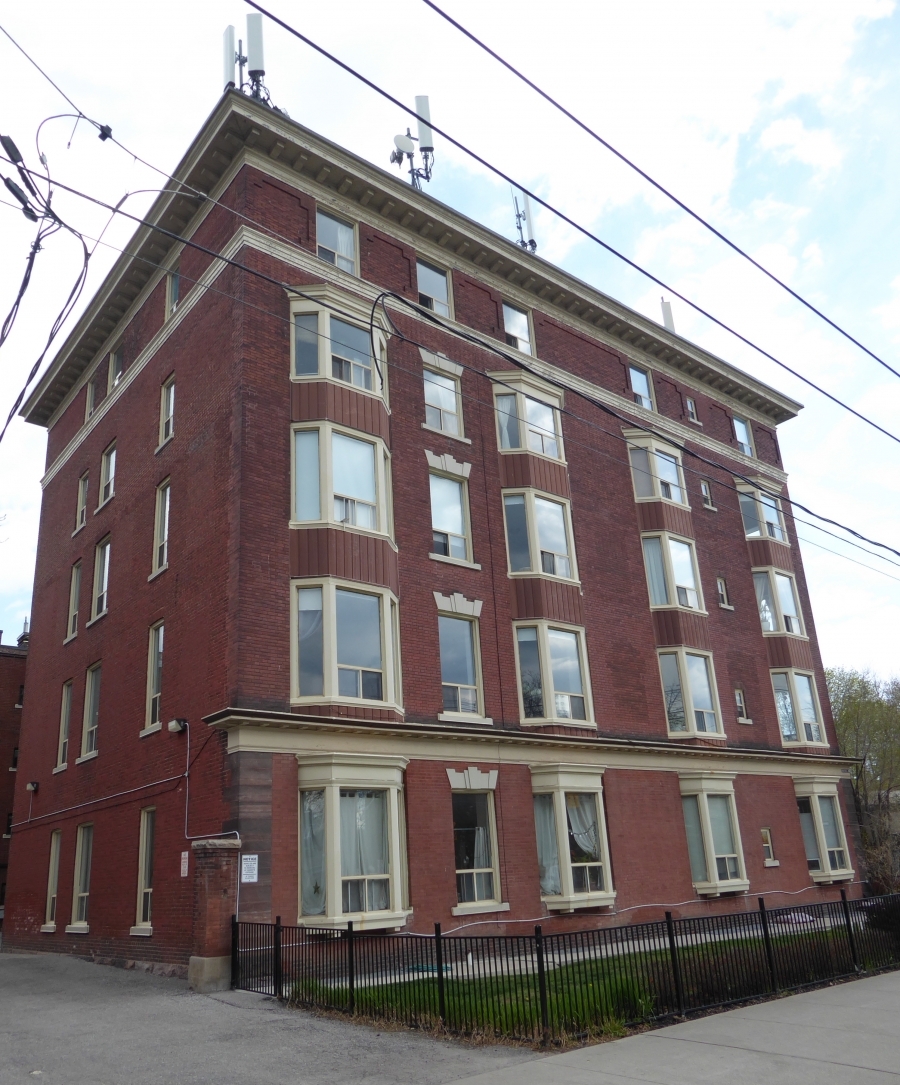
pixel 742 418
pixel 111 382
pixel 753 492
pixel 681 651
pixel 768 842
pixel 49 924
pixel 649 374
pixel 458 606
pixel 529 315
pixel 473 779
pixel 727 605
pixel 534 548
pixel 140 927
pixel 354 226
pixel 461 436
pixel 158 523
pixel 446 466
pixel 543 625
pixel 383 494
pixel 741 718
pixel 639 439
pixel 329 773
pixel 80 926
pixel 321 299
pixel 105 542
pixel 105 478
pixel 148 726
pixel 781 631
pixel 704 784
pixel 87 754
pixel 449 277
pixel 64 734
pixel 812 787
pixel 74 610
pixel 521 385
pixel 81 505
pixel 173 274
pixel 709 507
pixel 390 645
pixel 801 739
pixel 163 417
pixel 556 780
pixel 664 537
pixel 90 397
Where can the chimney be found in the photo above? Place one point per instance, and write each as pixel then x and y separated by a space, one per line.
pixel 23 636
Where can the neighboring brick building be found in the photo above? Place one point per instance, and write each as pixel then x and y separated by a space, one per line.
pixel 455 637
pixel 12 692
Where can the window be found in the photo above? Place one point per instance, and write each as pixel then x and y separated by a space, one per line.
pixel 573 857
pixel 706 493
pixel 689 693
pixel 796 703
pixel 346 644
pixel 672 577
pixel 65 719
pixel 459 666
pixel 656 473
pixel 823 831
pixel 538 534
pixel 52 880
pixel 742 435
pixel 474 847
pixel 517 328
pixel 83 848
pixel 74 596
pixel 116 368
pixel 442 402
pixel 91 711
pixel 713 837
pixel 640 387
pixel 108 475
pixel 768 848
pixel 341 479
pixel 722 593
pixel 167 411
pixel 351 853
pixel 449 519
pixel 161 527
pixel 81 507
pixel 145 868
pixel 776 597
pixel 101 578
pixel 740 702
pixel 433 288
pixel 552 674
pixel 90 402
pixel 690 407
pixel 154 675
pixel 762 516
pixel 526 423
pixel 335 242
pixel 173 290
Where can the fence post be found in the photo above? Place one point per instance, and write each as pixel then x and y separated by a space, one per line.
pixel 276 961
pixel 770 953
pixel 351 969
pixel 676 966
pixel 439 961
pixel 853 951
pixel 235 934
pixel 542 985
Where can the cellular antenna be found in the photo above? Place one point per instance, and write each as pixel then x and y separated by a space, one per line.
pixel 254 62
pixel 405 146
pixel 524 224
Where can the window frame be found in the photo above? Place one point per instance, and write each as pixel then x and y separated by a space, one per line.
pixel 390 644
pixel 473 781
pixel 544 626
pixel 155 650
pixel 116 370
pixel 81 924
pixel 532 495
pixel 791 674
pixel 636 396
pixel 448 279
pixel 507 336
pixel 74 608
pixel 447 716
pixel 90 398
pixel 781 629
pixel 463 482
pixel 815 788
pixel 639 440
pixel 559 780
pixel 745 448
pixel 146 857
pixel 107 475
pixel 166 411
pixel 768 846
pixel 51 904
pixel 81 501
pixel 703 785
pixel 65 725
pixel 161 514
pixel 510 383
pixel 756 496
pixel 354 226
pixel 706 496
pixel 329 773
pixel 665 538
pixel 691 730
pixel 174 296
pixel 740 704
pixel 690 410
pixel 454 377
pixel 102 555
pixel 91 720
pixel 722 595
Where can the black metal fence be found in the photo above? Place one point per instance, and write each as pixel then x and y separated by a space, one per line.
pixel 576 984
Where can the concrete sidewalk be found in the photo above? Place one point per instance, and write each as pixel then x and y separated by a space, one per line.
pixel 844 1035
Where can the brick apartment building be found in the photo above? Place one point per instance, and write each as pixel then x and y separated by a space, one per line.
pixel 455 629
pixel 12 695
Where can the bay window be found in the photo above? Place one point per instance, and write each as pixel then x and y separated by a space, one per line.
pixel 713 836
pixel 689 692
pixel 527 417
pixel 538 535
pixel 776 598
pixel 656 472
pixel 553 679
pixel 762 516
pixel 672 576
pixel 797 706
pixel 821 824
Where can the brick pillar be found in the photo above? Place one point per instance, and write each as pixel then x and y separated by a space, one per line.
pixel 215 899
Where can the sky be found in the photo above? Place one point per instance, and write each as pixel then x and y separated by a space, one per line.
pixel 775 121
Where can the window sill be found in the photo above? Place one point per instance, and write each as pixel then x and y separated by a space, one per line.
pixel 716 889
pixel 18 706
pixel 352 528
pixel 69 638
pixel 579 900
pixel 444 433
pixel 6 836
pixel 353 702
pixel 162 444
pixel 694 421
pixel 725 606
pixel 788 745
pixel 48 928
pixel 584 724
pixel 768 538
pixel 362 921
pixel 86 757
pixel 102 614
pixel 455 561
pixel 709 508
pixel 528 574
pixel 370 393
pixel 479 907
pixel 664 501
pixel 683 610
pixel 78 928
pixel 151 730
pixel 79 528
pixel 464 717
pixel 13 768
pixel 744 719
pixel 154 575
pixel 771 862
pixel 681 735
pixel 141 932
pixel 103 504
pixel 826 877
pixel 531 452
pixel 60 768
pixel 784 633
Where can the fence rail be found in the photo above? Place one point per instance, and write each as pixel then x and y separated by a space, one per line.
pixel 549 986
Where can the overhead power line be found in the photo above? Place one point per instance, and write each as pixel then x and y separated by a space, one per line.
pixel 569 221
pixel 659 187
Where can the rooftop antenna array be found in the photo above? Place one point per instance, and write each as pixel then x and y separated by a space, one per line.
pixel 524 224
pixel 406 145
pixel 253 60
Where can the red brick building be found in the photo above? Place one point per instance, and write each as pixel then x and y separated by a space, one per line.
pixel 12 694
pixel 459 626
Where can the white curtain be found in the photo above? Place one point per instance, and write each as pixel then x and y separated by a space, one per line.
pixel 764 601
pixel 312 852
pixel 363 833
pixel 656 575
pixel 581 810
pixel 547 845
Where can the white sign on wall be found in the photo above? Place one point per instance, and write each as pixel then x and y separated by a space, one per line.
pixel 249 868
pixel 184 864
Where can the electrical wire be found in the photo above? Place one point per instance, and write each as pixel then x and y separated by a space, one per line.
pixel 569 221
pixel 659 187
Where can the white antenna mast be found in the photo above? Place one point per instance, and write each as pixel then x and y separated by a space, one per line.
pixel 406 145
pixel 254 61
pixel 229 58
pixel 526 236
pixel 668 322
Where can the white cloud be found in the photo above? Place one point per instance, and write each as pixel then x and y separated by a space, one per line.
pixel 791 140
